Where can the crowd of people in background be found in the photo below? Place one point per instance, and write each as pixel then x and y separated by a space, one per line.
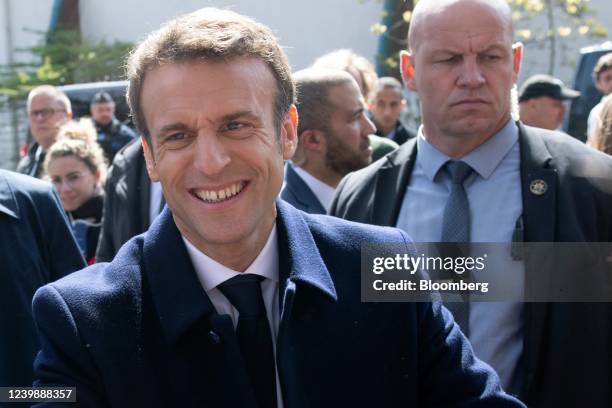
pixel 350 156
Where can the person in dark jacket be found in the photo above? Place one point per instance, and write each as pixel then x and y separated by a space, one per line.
pixel 48 109
pixel 75 165
pixel 131 201
pixel 112 134
pixel 474 175
pixel 36 247
pixel 386 107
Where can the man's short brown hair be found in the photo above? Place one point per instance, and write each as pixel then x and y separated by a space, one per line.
pixel 604 63
pixel 313 104
pixel 208 34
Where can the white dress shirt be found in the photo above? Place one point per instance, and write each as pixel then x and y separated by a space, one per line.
pixel 323 192
pixel 211 274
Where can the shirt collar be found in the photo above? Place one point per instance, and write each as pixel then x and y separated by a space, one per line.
pixel 484 159
pixel 211 273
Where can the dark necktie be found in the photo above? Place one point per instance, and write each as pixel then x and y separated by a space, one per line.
pixel 456 221
pixel 456 229
pixel 254 335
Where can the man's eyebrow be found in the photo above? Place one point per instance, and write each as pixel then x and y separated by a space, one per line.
pixel 494 47
pixel 357 111
pixel 172 127
pixel 238 115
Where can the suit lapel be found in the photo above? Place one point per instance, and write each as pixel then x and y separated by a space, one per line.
pixel 391 182
pixel 537 171
pixel 539 216
pixel 301 192
pixel 207 354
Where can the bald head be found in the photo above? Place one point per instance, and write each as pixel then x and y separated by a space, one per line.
pixel 463 65
pixel 427 14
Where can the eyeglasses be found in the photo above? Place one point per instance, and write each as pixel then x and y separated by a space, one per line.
pixel 44 113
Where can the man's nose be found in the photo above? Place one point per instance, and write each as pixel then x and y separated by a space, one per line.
pixel 471 74
pixel 211 155
pixel 367 126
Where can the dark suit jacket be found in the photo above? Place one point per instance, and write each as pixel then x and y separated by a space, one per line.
pixel 126 203
pixel 567 354
pixel 28 163
pixel 401 135
pixel 141 331
pixel 36 247
pixel 297 193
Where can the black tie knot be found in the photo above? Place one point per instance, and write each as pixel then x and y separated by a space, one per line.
pixel 244 292
pixel 458 171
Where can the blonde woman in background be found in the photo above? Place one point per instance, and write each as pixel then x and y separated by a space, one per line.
pixel 602 136
pixel 75 166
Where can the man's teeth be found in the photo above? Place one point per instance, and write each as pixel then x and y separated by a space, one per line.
pixel 215 196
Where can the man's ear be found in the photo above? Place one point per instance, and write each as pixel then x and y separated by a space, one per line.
pixel 149 159
pixel 407 70
pixel 289 139
pixel 517 58
pixel 313 140
pixel 69 115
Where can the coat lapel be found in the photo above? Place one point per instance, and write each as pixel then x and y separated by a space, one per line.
pixel 391 182
pixel 539 216
pixel 301 272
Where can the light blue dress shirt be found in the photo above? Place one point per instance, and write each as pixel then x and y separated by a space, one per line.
pixel 494 194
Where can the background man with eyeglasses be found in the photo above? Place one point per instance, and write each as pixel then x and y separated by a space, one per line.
pixel 48 109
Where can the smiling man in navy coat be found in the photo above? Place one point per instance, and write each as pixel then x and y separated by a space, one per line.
pixel 232 298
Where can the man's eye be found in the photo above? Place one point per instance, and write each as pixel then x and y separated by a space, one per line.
pixel 449 60
pixel 234 126
pixel 490 57
pixel 176 136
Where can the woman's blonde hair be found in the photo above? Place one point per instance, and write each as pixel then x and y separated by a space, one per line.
pixel 603 131
pixel 79 139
